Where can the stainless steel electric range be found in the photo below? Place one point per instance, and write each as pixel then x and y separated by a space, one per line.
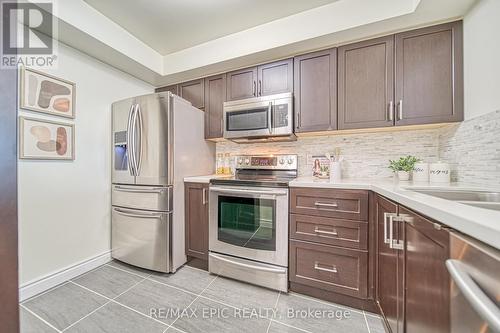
pixel 248 224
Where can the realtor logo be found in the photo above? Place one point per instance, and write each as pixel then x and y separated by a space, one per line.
pixel 27 34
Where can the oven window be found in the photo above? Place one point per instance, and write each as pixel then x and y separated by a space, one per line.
pixel 247 120
pixel 247 222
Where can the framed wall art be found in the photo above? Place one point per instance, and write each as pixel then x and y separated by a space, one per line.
pixel 45 93
pixel 46 140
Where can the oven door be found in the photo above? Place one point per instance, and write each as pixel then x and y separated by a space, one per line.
pixel 249 222
pixel 248 120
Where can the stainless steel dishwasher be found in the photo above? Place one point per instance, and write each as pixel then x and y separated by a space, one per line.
pixel 475 289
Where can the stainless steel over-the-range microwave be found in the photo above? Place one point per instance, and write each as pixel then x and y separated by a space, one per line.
pixel 259 118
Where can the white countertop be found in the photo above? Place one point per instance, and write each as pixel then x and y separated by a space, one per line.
pixel 482 224
pixel 204 179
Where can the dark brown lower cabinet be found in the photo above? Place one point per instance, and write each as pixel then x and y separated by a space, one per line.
pixel 427 282
pixel 196 214
pixel 390 292
pixel 330 256
pixel 413 283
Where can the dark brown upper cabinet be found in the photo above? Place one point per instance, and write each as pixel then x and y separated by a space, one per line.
pixel 194 92
pixel 429 75
pixel 267 79
pixel 215 96
pixel 196 215
pixel 174 89
pixel 242 84
pixel 275 78
pixel 366 84
pixel 315 90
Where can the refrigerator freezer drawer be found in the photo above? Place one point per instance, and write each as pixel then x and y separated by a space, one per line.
pixel 155 198
pixel 141 238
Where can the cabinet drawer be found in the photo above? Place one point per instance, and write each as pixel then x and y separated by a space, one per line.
pixel 330 231
pixel 344 204
pixel 329 268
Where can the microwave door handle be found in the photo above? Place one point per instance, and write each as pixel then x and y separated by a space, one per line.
pixel 270 118
pixel 130 141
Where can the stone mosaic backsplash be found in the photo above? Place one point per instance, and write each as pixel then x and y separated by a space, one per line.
pixel 472 148
pixel 366 155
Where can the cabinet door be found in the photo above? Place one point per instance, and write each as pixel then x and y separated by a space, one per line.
pixel 174 89
pixel 315 90
pixel 389 280
pixel 366 84
pixel 242 84
pixel 429 75
pixel 427 280
pixel 194 92
pixel 196 213
pixel 275 78
pixel 215 96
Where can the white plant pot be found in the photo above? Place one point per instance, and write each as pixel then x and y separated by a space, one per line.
pixel 403 175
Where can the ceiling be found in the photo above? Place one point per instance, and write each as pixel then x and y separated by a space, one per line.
pixel 168 26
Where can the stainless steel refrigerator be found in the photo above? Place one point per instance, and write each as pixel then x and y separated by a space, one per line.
pixel 158 139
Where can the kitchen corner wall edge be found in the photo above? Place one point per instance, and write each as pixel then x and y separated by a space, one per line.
pixel 40 285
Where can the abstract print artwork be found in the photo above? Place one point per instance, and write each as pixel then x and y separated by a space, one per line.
pixel 48 94
pixel 45 140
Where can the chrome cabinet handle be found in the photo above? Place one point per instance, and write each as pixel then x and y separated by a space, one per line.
pixel 394 244
pixel 254 88
pixel 260 87
pixel 204 196
pixel 391 111
pixel 400 109
pixel 319 231
pixel 130 141
pixel 141 216
pixel 483 305
pixel 324 204
pixel 329 270
pixel 386 217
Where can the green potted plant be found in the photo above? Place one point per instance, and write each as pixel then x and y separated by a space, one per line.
pixel 403 166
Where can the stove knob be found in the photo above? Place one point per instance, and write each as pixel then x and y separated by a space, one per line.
pixel 282 161
pixel 247 161
pixel 290 161
pixel 240 161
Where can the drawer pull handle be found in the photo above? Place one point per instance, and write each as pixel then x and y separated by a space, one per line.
pixel 324 204
pixel 319 231
pixel 329 270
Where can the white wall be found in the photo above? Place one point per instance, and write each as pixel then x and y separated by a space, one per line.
pixel 482 58
pixel 64 206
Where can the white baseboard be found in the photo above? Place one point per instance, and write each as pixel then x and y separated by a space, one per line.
pixel 37 286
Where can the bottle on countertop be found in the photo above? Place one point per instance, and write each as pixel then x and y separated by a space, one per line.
pixel 220 164
pixel 227 164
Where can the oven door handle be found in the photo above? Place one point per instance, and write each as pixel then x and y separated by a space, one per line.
pixel 255 267
pixel 247 191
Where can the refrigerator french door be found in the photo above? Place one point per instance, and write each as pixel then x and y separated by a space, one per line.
pixel 141 142
pixel 142 189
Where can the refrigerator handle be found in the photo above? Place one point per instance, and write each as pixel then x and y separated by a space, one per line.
pixel 138 145
pixel 130 142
